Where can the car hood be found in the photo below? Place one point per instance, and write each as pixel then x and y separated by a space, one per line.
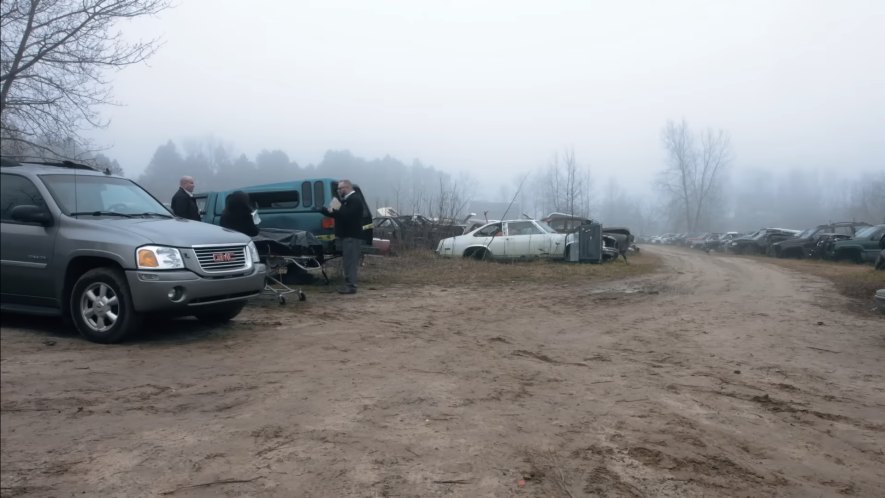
pixel 794 241
pixel 177 232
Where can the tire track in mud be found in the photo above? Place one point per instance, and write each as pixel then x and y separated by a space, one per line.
pixel 682 310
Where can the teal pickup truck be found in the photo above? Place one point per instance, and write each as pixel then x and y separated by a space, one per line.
pixel 292 205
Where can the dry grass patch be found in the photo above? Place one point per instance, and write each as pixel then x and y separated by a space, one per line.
pixel 422 267
pixel 850 279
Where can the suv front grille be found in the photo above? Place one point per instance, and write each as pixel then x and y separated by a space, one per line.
pixel 221 258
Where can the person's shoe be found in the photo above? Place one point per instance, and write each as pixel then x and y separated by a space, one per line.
pixel 346 290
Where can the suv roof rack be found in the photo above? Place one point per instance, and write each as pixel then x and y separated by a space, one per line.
pixel 21 161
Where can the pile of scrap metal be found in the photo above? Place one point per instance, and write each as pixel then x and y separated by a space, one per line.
pixel 411 231
pixel 616 241
pixel 620 239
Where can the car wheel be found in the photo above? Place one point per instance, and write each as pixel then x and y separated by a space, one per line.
pixel 849 255
pixel 101 306
pixel 222 314
pixel 478 254
pixel 857 257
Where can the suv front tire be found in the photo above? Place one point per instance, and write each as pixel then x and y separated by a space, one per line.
pixel 101 306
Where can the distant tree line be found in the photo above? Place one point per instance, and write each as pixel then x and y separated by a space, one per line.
pixel 701 191
pixel 387 182
pixel 698 189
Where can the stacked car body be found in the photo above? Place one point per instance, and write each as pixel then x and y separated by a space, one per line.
pixel 815 242
pixel 841 241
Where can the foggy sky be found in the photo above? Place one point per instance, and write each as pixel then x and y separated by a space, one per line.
pixel 497 87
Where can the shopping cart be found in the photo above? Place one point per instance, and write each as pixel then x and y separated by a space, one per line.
pixel 284 252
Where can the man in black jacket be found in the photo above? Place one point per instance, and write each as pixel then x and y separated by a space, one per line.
pixel 348 214
pixel 183 203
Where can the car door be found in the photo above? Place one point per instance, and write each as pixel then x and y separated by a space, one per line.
pixel 870 244
pixel 545 244
pixel 518 239
pixel 490 237
pixel 26 248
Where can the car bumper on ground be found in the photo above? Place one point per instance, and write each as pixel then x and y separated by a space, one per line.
pixel 182 291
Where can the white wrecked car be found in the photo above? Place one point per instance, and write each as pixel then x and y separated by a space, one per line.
pixel 511 239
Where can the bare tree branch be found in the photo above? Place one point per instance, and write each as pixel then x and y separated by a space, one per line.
pixel 694 173
pixel 53 56
pixel 565 186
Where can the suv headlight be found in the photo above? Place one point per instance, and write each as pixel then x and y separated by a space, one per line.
pixel 253 253
pixel 158 258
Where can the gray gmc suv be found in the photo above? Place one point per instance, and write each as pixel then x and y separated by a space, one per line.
pixel 102 252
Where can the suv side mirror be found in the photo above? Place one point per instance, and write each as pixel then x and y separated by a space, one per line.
pixel 29 213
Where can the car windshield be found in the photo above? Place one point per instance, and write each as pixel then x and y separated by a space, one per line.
pixel 865 232
pixel 104 195
pixel 545 226
pixel 807 233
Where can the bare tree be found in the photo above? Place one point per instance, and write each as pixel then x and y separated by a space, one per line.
pixel 453 197
pixel 695 170
pixel 566 187
pixel 54 57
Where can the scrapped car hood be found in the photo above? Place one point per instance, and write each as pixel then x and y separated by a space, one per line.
pixel 175 232
pixel 792 242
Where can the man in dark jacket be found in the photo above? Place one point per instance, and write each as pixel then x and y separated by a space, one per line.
pixel 348 214
pixel 183 203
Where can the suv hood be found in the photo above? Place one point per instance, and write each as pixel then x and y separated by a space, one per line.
pixel 175 232
pixel 795 241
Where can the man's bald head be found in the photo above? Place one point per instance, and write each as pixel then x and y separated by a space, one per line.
pixel 187 183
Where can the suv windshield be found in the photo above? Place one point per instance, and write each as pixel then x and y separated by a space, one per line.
pixel 868 231
pixel 81 194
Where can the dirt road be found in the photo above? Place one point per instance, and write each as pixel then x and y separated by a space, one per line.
pixel 718 376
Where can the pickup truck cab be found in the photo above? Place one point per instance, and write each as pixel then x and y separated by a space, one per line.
pixel 101 252
pixel 293 205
